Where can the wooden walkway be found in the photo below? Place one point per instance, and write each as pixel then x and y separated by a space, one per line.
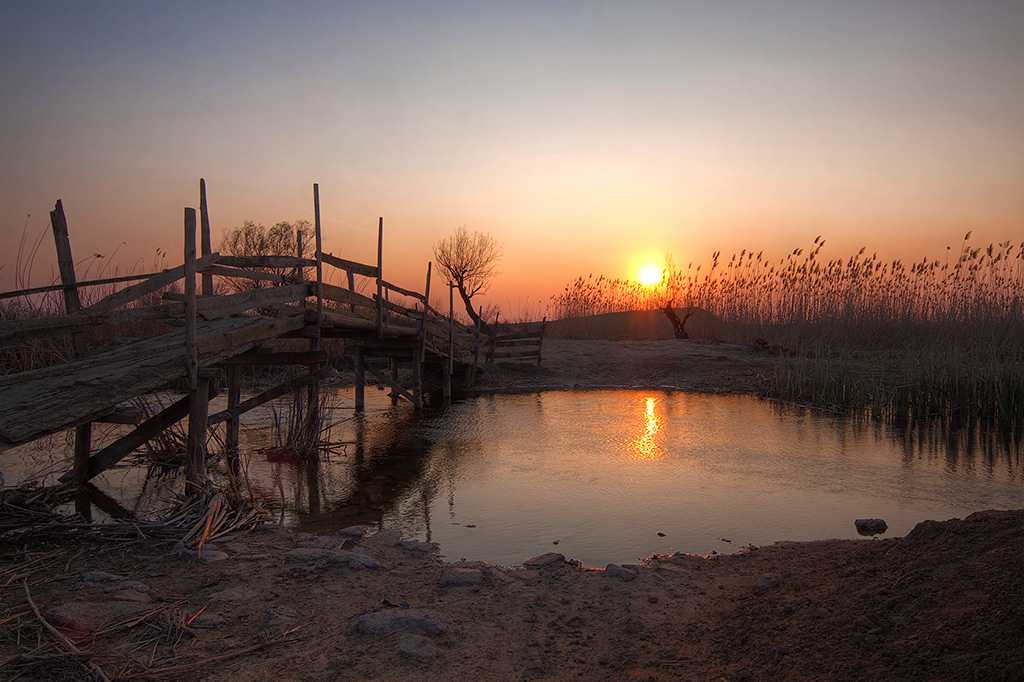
pixel 206 336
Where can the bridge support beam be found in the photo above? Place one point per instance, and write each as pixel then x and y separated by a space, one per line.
pixel 72 305
pixel 360 380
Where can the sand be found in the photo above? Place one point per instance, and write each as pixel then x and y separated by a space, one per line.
pixel 946 602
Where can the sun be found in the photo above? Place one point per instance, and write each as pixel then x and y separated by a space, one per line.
pixel 649 275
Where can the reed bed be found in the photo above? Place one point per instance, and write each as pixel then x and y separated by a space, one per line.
pixel 934 338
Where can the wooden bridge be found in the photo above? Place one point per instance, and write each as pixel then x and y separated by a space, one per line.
pixel 204 336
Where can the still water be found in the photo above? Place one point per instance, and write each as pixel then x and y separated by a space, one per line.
pixel 502 478
pixel 602 473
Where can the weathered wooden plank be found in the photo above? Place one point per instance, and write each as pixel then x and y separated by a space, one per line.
pixel 222 306
pixel 237 273
pixel 405 292
pixel 191 356
pixel 265 261
pixel 72 305
pixel 78 285
pixel 277 358
pixel 42 326
pixel 50 399
pixel 506 343
pixel 154 283
pixel 266 396
pixel 350 266
pixel 380 277
pixel 518 335
pixel 204 241
pixel 515 353
pixel 122 447
pixel 340 295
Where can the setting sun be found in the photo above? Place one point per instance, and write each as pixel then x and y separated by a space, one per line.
pixel 649 275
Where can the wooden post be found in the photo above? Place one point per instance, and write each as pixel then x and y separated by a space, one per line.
pixel 72 305
pixel 313 393
pixel 394 380
pixel 421 350
pixel 191 357
pixel 380 277
pixel 450 364
pixel 540 341
pixel 204 242
pixel 195 464
pixel 234 396
pixel 360 381
pixel 351 277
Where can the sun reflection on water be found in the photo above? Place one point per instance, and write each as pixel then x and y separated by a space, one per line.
pixel 645 446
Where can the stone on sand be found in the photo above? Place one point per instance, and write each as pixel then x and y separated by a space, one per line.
pixel 545 560
pixel 413 621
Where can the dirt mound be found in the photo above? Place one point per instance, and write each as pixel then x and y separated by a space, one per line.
pixel 945 602
pixel 643 325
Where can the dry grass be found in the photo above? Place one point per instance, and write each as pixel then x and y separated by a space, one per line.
pixel 929 339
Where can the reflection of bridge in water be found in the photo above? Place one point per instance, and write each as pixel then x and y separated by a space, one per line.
pixel 389 463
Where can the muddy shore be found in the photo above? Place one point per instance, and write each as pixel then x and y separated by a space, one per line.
pixel 945 602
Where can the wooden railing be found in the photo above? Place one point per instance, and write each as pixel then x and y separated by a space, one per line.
pixel 517 346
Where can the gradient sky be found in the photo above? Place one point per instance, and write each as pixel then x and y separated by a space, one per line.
pixel 585 136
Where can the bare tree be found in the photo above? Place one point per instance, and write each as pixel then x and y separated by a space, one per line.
pixel 468 260
pixel 254 239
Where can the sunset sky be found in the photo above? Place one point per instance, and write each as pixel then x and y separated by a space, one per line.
pixel 587 137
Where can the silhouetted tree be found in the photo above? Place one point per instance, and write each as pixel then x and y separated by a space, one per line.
pixel 254 239
pixel 468 260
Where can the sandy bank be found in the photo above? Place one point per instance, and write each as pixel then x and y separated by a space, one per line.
pixel 946 602
pixel 683 365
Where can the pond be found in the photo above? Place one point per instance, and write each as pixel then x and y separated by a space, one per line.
pixel 614 475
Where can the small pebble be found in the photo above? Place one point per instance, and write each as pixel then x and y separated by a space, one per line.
pixel 660 534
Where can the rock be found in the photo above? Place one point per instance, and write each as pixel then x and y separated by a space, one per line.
pixel 416 646
pixel 616 571
pixel 414 621
pixel 355 559
pixel 768 581
pixel 209 554
pixel 459 577
pixel 337 556
pixel 131 595
pixel 90 616
pixel 660 534
pixel 417 546
pixel 209 621
pixel 871 526
pixel 353 531
pixel 101 577
pixel 545 560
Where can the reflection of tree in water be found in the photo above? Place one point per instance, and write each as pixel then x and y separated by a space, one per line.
pixel 962 443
